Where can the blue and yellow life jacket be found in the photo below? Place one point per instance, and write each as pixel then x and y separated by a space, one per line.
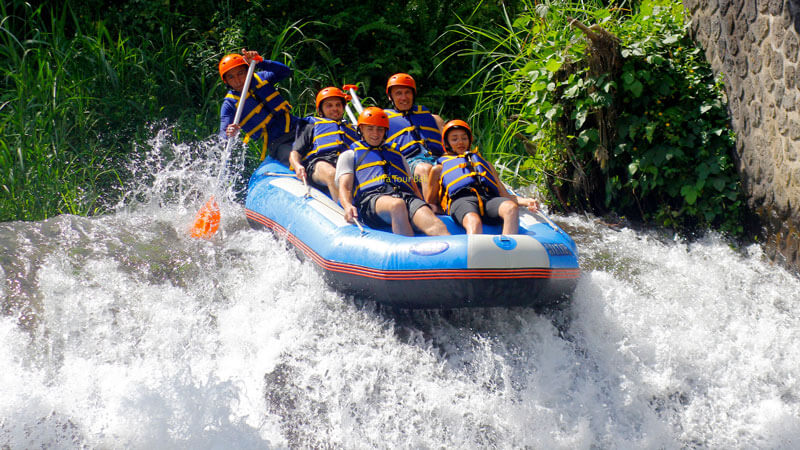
pixel 468 171
pixel 414 131
pixel 330 136
pixel 376 167
pixel 266 114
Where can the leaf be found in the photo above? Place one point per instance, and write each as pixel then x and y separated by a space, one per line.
pixel 531 66
pixel 528 164
pixel 703 170
pixel 554 112
pixel 522 21
pixel 718 183
pixel 665 88
pixel 572 91
pixel 636 89
pixel 689 193
pixel 580 117
pixel 588 136
pixel 649 129
pixel 538 86
pixel 628 78
pixel 632 168
pixel 701 183
pixel 553 65
pixel 671 39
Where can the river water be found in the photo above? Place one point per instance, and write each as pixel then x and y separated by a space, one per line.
pixel 120 331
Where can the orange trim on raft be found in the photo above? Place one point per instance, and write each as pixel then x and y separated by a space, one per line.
pixel 426 274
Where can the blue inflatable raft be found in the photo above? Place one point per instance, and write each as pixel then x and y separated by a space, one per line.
pixel 537 267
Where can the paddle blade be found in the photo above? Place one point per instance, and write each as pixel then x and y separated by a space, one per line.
pixel 206 222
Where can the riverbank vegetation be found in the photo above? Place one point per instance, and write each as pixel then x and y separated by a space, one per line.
pixel 608 110
pixel 605 106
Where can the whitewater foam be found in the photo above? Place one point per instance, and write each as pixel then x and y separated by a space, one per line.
pixel 120 331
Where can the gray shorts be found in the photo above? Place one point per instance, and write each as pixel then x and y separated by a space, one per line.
pixel 367 213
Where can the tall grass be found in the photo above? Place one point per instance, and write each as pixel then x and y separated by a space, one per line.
pixel 73 102
pixel 77 99
pixel 501 55
pixel 46 164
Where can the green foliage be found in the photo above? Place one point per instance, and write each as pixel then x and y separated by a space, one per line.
pixel 672 158
pixel 360 42
pixel 82 82
pixel 44 167
pixel 514 85
pixel 642 131
pixel 75 101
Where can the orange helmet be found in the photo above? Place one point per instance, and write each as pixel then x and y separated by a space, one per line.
pixel 374 116
pixel 330 92
pixel 401 79
pixel 456 124
pixel 228 62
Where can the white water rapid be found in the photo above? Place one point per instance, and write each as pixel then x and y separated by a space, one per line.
pixel 120 331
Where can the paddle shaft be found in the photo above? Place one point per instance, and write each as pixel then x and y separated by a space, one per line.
pixel 356 101
pixel 240 106
pixel 356 105
pixel 350 115
pixel 237 117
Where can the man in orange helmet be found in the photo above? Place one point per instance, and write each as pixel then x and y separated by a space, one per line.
pixel 414 130
pixel 266 114
pixel 375 183
pixel 321 139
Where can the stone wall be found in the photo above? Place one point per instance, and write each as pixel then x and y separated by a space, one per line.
pixel 755 44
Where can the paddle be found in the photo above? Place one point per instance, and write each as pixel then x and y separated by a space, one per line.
pixel 353 97
pixel 352 88
pixel 206 222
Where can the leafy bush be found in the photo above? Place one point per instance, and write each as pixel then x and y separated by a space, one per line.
pixel 673 152
pixel 631 120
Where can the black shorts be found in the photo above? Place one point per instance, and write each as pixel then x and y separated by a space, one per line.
pixel 311 166
pixel 465 204
pixel 366 207
pixel 281 147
